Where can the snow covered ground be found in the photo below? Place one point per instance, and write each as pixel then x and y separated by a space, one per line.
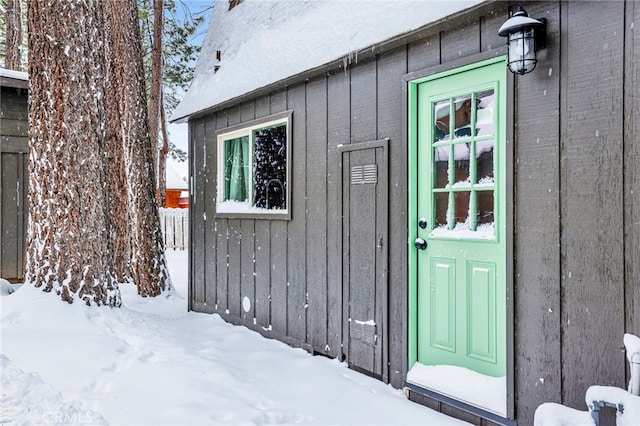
pixel 153 363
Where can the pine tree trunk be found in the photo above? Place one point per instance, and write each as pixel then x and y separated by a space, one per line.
pixel 156 80
pixel 13 21
pixel 118 128
pixel 68 249
pixel 162 157
pixel 130 130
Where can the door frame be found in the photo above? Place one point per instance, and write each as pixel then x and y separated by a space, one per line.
pixel 410 101
pixel 384 232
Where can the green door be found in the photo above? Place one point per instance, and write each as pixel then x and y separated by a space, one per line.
pixel 457 219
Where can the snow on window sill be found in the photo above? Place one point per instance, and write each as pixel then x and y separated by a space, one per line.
pixel 485 231
pixel 242 208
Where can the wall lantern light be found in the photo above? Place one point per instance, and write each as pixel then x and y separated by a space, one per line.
pixel 526 37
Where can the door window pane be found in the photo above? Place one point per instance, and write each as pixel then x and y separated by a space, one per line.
pixel 441 166
pixel 463 162
pixel 461 166
pixel 485 207
pixel 441 120
pixel 485 113
pixel 442 209
pixel 485 117
pixel 462 206
pixel 462 117
pixel 484 167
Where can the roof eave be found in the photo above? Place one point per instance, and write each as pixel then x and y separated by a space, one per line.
pixel 460 18
pixel 13 82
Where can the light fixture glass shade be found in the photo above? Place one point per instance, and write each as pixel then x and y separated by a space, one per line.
pixel 522 53
pixel 525 35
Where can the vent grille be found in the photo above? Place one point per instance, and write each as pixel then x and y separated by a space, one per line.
pixel 363 331
pixel 361 175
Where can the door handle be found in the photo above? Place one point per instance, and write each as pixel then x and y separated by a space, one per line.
pixel 420 244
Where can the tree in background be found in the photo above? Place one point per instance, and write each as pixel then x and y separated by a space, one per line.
pixel 13 34
pixel 179 26
pixel 93 217
pixel 118 108
pixel 155 92
pixel 68 249
pixel 178 54
pixel 140 236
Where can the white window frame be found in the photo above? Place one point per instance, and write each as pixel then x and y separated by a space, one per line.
pixel 247 209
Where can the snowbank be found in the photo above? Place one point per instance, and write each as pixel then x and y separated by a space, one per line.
pixel 27 400
pixel 488 393
pixel 153 363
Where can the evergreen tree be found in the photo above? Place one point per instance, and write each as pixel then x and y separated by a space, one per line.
pixel 13 34
pixel 155 91
pixel 128 130
pixel 178 56
pixel 68 249
pixel 118 128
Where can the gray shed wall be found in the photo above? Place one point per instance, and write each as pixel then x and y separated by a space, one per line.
pixel 14 177
pixel 576 256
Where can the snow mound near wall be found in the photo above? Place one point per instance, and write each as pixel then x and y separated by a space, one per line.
pixel 27 400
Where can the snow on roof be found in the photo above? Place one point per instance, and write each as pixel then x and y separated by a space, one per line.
pixel 18 75
pixel 265 41
pixel 174 180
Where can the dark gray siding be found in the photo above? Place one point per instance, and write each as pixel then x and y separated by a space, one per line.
pixel 576 236
pixel 592 217
pixel 537 234
pixel 631 170
pixel 14 178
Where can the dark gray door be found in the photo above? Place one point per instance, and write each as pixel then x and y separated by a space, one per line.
pixel 13 198
pixel 364 198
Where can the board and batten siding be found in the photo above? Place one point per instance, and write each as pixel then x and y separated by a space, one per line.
pixel 290 270
pixel 577 229
pixel 14 177
pixel 576 226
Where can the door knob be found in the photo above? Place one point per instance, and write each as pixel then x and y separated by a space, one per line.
pixel 420 244
pixel 422 223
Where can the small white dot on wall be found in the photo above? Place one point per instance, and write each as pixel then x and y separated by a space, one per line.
pixel 246 304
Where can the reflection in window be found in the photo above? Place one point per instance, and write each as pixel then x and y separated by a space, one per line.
pixel 485 207
pixel 253 168
pixel 463 167
pixel 236 169
pixel 270 167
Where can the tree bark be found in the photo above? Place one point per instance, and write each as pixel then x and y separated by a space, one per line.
pixel 118 128
pixel 129 131
pixel 13 21
pixel 68 248
pixel 156 81
pixel 162 157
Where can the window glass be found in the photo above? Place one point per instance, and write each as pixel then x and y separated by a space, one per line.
pixel 270 167
pixel 236 169
pixel 463 167
pixel 253 168
pixel 485 130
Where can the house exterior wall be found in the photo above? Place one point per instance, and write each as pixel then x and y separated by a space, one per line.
pixel 576 235
pixel 14 177
pixel 577 253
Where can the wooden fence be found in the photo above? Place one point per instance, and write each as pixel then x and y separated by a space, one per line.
pixel 175 228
